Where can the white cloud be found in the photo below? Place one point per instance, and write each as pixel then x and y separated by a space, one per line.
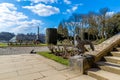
pixel 67 1
pixel 18 0
pixel 44 1
pixel 74 8
pixel 80 4
pixel 68 10
pixel 11 20
pixel 39 1
pixel 110 14
pixel 43 10
pixel 43 29
pixel 26 26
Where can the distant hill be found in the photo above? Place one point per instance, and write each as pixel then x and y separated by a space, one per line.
pixel 6 36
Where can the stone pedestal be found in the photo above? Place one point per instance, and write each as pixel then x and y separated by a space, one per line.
pixel 76 63
pixel 80 63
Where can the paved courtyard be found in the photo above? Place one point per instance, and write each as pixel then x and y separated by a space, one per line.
pixel 20 50
pixel 34 67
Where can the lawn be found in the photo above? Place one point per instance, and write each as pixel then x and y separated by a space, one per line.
pixel 3 45
pixel 42 44
pixel 59 59
pixel 27 45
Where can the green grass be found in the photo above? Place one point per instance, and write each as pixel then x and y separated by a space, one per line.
pixel 42 44
pixel 28 45
pixel 59 59
pixel 3 45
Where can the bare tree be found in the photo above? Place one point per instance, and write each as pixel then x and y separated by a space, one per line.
pixel 72 23
pixel 102 16
pixel 93 24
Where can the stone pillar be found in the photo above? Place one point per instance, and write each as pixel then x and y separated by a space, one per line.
pixel 76 63
pixel 81 63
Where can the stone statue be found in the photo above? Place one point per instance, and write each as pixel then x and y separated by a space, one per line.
pixel 80 44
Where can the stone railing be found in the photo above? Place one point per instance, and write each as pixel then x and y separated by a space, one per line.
pixel 86 61
pixel 105 47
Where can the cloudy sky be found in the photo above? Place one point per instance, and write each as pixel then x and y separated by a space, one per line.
pixel 23 16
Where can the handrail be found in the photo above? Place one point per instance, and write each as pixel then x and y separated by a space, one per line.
pixel 105 47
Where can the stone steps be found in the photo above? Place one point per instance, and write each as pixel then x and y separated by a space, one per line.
pixel 112 59
pixel 102 75
pixel 115 53
pixel 118 48
pixel 110 67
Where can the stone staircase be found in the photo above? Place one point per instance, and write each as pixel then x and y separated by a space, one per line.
pixel 103 63
pixel 107 68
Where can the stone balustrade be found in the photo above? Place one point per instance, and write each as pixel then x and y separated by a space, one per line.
pixel 93 56
pixel 105 47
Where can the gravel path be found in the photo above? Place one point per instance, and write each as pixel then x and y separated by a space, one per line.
pixel 21 50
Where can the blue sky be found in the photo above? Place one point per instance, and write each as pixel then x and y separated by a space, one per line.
pixel 23 16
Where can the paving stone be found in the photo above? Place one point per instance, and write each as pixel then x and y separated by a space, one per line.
pixel 5 70
pixel 83 77
pixel 15 78
pixel 7 75
pixel 28 71
pixel 34 76
pixel 50 72
pixel 55 77
pixel 56 65
pixel 20 50
pixel 22 68
pixel 6 65
pixel 42 66
pixel 32 67
pixel 70 73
